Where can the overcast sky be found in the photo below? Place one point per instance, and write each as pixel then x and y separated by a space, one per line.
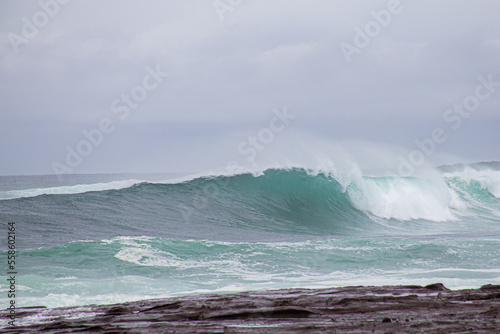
pixel 180 85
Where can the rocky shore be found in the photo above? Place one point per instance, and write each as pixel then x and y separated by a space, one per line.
pixel 387 309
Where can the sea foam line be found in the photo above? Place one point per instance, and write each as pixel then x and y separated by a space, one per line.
pixel 65 190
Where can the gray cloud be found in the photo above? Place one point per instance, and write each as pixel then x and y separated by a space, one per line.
pixel 225 77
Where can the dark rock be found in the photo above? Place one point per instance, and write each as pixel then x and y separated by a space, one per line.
pixel 436 287
pixel 168 306
pixel 118 310
pixel 490 287
pixel 57 325
pixel 335 310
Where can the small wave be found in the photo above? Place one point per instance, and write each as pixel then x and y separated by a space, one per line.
pixel 67 190
pixel 487 179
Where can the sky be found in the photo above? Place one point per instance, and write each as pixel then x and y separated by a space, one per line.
pixel 189 85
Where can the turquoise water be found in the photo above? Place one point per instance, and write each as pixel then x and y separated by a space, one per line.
pixel 107 239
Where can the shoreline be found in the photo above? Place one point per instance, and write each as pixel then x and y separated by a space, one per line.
pixel 357 309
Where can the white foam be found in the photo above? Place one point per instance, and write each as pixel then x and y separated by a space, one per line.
pixel 145 255
pixel 488 179
pixel 63 190
pixel 403 198
pixel 67 300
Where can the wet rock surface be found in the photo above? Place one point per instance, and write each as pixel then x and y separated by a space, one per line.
pixel 387 309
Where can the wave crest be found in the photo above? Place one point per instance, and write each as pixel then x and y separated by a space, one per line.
pixel 308 198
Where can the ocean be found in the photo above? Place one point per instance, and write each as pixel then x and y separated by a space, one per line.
pixel 109 238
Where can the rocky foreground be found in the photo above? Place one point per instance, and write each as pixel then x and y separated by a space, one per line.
pixel 388 309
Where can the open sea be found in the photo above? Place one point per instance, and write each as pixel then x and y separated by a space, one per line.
pixel 109 238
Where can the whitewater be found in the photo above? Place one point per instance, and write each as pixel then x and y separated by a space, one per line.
pixel 99 239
